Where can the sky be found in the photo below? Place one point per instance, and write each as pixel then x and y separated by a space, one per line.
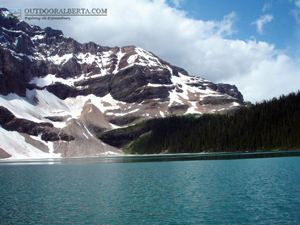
pixel 254 45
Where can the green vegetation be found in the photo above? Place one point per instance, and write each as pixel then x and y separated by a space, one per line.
pixel 122 136
pixel 269 125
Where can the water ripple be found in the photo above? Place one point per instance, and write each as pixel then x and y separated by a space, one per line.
pixel 249 191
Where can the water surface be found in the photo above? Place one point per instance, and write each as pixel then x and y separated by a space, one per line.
pixel 242 191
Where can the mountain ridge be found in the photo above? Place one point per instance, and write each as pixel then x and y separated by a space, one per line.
pixel 47 78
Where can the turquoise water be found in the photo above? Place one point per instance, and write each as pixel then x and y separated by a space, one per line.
pixel 242 191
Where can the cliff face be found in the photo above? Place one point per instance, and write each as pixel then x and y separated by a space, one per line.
pixel 58 92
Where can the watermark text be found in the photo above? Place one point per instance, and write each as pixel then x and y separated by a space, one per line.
pixel 65 12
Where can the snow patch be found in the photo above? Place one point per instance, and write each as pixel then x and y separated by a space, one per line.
pixel 174 97
pixel 119 55
pixel 51 79
pixel 87 130
pixel 15 145
pixel 234 104
pixel 85 135
pixel 105 103
pixel 58 60
pixel 145 59
pixel 193 109
pixel 36 106
pixel 131 59
pixel 111 153
pixel 49 143
pixel 122 114
pixel 39 36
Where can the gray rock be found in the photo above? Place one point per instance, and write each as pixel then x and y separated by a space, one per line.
pixel 216 101
pixel 4 154
pixel 230 90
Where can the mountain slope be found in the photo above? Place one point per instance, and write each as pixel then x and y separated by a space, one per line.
pixel 78 89
pixel 269 125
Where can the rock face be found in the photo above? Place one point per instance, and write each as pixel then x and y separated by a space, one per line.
pixel 49 84
pixel 49 133
pixel 4 154
pixel 230 90
pixel 5 116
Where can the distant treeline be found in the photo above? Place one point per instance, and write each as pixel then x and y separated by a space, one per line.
pixel 270 125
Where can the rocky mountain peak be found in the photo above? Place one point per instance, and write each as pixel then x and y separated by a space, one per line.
pixel 59 89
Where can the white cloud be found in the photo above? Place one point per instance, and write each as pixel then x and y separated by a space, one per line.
pixel 176 3
pixel 203 48
pixel 267 6
pixel 270 78
pixel 262 21
pixel 296 12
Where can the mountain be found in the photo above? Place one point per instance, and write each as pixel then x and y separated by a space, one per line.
pixel 56 94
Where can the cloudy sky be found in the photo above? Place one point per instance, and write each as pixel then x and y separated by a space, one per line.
pixel 252 44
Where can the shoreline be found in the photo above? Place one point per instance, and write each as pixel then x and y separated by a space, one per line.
pixel 151 158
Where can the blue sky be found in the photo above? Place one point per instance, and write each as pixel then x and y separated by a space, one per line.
pixel 252 44
pixel 282 30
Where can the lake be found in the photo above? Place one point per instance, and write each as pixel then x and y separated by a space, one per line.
pixel 104 191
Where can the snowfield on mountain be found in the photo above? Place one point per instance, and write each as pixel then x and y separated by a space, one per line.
pixel 56 94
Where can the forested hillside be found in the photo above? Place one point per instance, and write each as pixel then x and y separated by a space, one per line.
pixel 270 125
